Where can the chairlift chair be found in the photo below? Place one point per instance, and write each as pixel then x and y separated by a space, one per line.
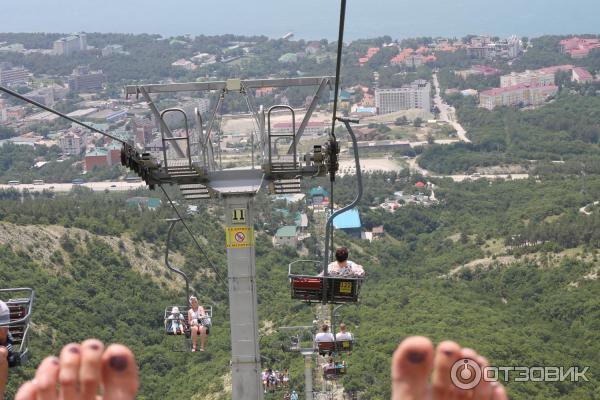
pixel 311 287
pixel 330 374
pixel 20 303
pixel 187 344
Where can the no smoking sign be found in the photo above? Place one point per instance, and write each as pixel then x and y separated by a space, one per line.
pixel 239 237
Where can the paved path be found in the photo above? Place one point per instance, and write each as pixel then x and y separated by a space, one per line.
pixel 448 113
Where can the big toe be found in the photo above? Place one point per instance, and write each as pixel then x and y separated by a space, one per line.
pixel 411 365
pixel 119 373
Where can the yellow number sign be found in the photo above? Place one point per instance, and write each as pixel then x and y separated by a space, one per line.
pixel 346 287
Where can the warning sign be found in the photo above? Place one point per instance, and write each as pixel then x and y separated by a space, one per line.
pixel 239 237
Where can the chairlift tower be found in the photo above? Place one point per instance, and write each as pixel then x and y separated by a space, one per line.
pixel 191 162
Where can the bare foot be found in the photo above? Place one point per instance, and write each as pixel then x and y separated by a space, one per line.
pixel 414 363
pixel 83 369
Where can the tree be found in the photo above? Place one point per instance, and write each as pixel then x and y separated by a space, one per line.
pixel 418 122
pixel 401 121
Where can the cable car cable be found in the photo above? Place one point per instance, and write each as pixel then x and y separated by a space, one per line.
pixel 53 111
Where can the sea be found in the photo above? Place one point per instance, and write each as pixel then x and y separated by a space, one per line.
pixel 306 19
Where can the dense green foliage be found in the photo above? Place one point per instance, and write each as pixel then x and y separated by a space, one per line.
pixel 564 130
pixel 538 316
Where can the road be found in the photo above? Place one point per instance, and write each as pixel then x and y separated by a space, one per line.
pixel 116 186
pixel 448 113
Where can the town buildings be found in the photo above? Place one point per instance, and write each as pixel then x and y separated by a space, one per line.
pixel 84 80
pixel 478 70
pixel 412 58
pixel 539 77
pixel 70 44
pixel 483 47
pixel 523 94
pixel 579 47
pixel 13 76
pixel 72 143
pixel 371 51
pixel 415 95
pixel 581 75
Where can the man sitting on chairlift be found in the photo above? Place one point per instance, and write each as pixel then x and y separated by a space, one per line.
pixel 6 347
pixel 324 335
pixel 343 334
pixel 343 267
pixel 177 321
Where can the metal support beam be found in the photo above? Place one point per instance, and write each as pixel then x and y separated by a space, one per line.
pixel 163 125
pixel 311 109
pixel 308 377
pixel 245 353
pixel 220 85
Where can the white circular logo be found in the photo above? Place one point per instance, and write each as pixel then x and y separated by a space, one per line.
pixel 465 374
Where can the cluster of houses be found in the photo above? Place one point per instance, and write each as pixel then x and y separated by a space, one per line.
pixel 317 200
pixel 401 199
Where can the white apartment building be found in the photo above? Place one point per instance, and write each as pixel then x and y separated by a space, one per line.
pixel 13 76
pixel 70 44
pixel 72 143
pixel 538 77
pixel 522 94
pixel 415 95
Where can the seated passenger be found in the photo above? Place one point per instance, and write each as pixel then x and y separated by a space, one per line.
pixel 324 335
pixel 286 378
pixel 330 366
pixel 177 321
pixel 196 320
pixel 343 334
pixel 342 267
pixel 265 380
pixel 6 349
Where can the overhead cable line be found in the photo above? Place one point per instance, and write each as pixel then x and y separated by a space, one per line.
pixel 53 111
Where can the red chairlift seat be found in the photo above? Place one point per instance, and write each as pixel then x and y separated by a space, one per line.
pixel 333 373
pixel 310 288
pixel 326 348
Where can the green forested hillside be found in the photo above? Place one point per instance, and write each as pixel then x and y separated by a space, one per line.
pixel 459 270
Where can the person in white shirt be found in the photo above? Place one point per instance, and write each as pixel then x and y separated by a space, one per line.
pixel 343 267
pixel 324 335
pixel 343 334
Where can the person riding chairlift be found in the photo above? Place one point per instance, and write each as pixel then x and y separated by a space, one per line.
pixel 343 334
pixel 199 323
pixel 177 321
pixel 6 347
pixel 342 267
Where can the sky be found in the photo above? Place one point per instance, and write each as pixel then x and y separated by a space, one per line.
pixel 308 19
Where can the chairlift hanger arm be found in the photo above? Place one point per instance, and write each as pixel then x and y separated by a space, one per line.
pixel 329 226
pixel 173 222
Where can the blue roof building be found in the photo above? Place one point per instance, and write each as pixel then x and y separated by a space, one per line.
pixel 349 222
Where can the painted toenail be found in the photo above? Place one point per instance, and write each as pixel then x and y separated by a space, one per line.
pixel 448 353
pixel 74 350
pixel 95 346
pixel 118 363
pixel 416 357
